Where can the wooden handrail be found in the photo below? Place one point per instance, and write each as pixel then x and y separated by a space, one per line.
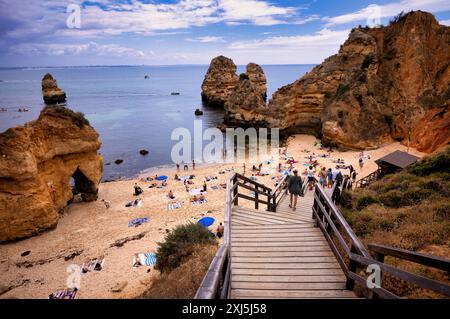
pixel 336 230
pixel 441 263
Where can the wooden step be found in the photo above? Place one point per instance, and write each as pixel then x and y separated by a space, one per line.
pixel 270 294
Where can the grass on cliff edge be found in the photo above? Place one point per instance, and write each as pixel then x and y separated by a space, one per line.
pixel 409 210
pixel 182 259
pixel 77 118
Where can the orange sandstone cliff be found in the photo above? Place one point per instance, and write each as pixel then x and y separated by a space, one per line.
pixel 37 161
pixel 384 84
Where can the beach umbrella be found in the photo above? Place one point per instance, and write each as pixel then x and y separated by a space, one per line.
pixel 206 221
pixel 286 173
pixel 161 178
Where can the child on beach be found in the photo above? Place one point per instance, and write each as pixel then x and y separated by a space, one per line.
pixel 220 230
pixel 171 195
pixel 137 190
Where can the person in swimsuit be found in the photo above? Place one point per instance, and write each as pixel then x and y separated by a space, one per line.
pixel 295 188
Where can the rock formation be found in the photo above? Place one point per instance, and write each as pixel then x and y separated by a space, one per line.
pixel 384 84
pixel 219 81
pixel 256 75
pixel 245 103
pixel 37 162
pixel 51 93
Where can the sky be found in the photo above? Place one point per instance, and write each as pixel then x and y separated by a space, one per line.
pixel 167 32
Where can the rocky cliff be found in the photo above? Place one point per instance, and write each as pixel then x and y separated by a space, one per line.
pixel 37 162
pixel 51 93
pixel 219 81
pixel 384 84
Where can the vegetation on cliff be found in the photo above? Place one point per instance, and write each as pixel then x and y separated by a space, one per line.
pixel 187 249
pixel 409 210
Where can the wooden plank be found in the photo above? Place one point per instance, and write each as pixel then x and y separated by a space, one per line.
pixel 273 254
pixel 290 279
pixel 276 235
pixel 277 239
pixel 288 285
pixel 247 221
pixel 269 294
pixel 276 230
pixel 288 272
pixel 284 259
pixel 281 248
pixel 287 226
pixel 255 217
pixel 279 244
pixel 284 265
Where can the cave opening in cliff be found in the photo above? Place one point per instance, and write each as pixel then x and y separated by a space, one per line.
pixel 82 185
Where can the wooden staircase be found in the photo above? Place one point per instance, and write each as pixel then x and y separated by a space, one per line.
pixel 283 255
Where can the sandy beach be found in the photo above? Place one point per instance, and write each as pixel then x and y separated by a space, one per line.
pixel 89 230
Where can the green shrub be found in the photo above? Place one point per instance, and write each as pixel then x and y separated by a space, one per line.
pixel 243 76
pixel 77 118
pixel 341 90
pixel 365 201
pixel 389 119
pixel 439 163
pixel 368 60
pixel 179 244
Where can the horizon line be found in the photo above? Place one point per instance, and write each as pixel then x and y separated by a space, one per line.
pixel 136 65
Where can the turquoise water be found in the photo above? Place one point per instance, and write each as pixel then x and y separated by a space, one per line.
pixel 128 111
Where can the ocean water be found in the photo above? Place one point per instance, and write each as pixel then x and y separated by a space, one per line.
pixel 129 112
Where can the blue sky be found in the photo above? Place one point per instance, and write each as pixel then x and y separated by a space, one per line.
pixel 161 32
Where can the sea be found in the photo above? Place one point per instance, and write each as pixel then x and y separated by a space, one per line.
pixel 128 111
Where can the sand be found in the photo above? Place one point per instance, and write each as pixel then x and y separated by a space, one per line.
pixel 88 230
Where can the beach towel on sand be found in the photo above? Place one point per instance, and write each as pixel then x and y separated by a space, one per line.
pixel 174 205
pixel 93 264
pixel 138 222
pixel 199 202
pixel 144 259
pixel 69 293
pixel 214 187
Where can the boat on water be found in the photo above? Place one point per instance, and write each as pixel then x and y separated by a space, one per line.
pixel 175 93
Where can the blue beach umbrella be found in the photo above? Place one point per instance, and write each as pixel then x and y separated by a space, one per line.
pixel 206 221
pixel 161 178
pixel 286 173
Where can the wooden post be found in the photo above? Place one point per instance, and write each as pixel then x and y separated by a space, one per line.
pixel 352 266
pixel 235 191
pixel 256 197
pixel 274 204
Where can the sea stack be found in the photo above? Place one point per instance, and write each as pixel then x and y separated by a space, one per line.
pixel 37 161
pixel 256 75
pixel 51 93
pixel 245 104
pixel 219 82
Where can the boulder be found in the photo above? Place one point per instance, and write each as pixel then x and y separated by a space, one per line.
pixel 118 161
pixel 143 152
pixel 51 93
pixel 219 81
pixel 198 112
pixel 36 164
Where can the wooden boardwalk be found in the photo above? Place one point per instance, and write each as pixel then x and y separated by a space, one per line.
pixel 282 255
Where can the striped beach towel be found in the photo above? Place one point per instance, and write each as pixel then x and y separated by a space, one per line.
pixel 150 259
pixel 174 205
pixel 64 294
pixel 199 202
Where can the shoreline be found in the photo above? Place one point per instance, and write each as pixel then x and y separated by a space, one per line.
pixel 89 230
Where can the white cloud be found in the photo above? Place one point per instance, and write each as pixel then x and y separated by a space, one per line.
pixel 389 10
pixel 206 39
pixel 91 48
pixel 445 22
pixel 322 38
